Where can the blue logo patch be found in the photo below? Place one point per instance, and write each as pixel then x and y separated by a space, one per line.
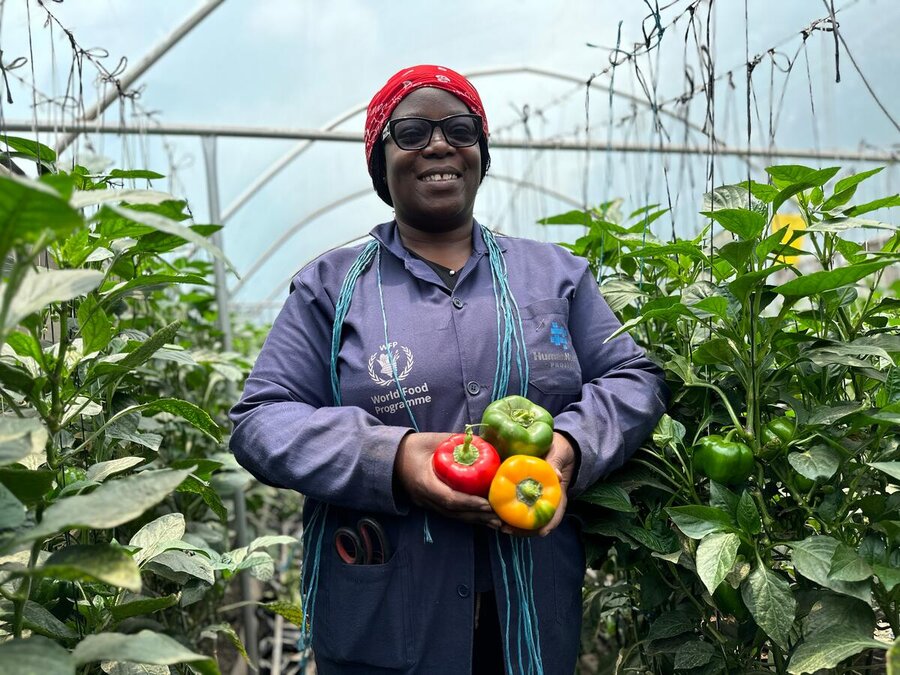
pixel 559 336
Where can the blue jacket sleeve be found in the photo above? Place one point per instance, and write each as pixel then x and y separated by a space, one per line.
pixel 288 433
pixel 623 395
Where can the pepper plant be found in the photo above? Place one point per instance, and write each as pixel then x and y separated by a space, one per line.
pixel 115 550
pixel 759 529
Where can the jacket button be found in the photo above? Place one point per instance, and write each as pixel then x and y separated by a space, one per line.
pixel 457 303
pixel 473 387
pixel 463 591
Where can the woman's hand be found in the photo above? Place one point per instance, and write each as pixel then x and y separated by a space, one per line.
pixel 414 473
pixel 561 457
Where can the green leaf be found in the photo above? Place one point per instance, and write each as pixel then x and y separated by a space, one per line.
pixel 30 148
pixel 827 649
pixel 883 203
pixel 28 485
pixel 747 515
pixel 232 636
pixel 608 496
pixel 29 208
pixel 745 224
pixel 169 226
pixel 820 462
pixel 855 179
pixel 888 576
pixel 742 286
pixel 737 253
pixel 20 437
pixel 12 511
pixel 289 610
pixel 143 353
pixel 92 562
pixel 210 497
pixel 694 654
pixel 110 505
pixel 819 282
pixel 152 536
pixel 842 224
pixel 197 417
pixel 83 198
pixel 139 605
pixel 892 469
pixel 668 433
pixel 714 351
pixel 722 498
pixel 143 647
pixel 96 329
pixel 770 601
pixel 698 521
pixel 846 565
pixel 102 470
pixel 716 555
pixel 35 656
pixel 569 218
pixel 824 415
pixel 671 624
pixel 730 197
pixel 38 620
pixel 893 658
pixel 39 289
pixel 813 557
pixel 134 173
pixel 113 293
pixel 179 566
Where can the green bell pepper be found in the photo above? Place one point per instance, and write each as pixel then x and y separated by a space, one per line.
pixel 776 434
pixel 516 426
pixel 723 460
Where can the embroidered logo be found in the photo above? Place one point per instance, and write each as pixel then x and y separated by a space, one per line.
pixel 559 336
pixel 380 369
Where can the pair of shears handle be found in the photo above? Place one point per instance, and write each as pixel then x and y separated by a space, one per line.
pixel 367 544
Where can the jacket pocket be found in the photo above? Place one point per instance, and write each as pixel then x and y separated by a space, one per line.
pixel 552 363
pixel 366 614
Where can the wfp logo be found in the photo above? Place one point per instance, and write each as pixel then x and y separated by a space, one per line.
pixel 380 369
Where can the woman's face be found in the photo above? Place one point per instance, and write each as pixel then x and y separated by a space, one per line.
pixel 433 189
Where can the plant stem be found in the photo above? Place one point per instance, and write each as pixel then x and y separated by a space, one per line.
pixel 24 593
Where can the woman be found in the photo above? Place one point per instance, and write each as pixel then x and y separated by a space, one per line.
pixel 381 352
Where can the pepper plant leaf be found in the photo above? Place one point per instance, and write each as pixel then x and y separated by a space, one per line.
pixel 813 557
pixel 716 555
pixel 819 282
pixel 143 647
pixel 112 504
pixel 770 601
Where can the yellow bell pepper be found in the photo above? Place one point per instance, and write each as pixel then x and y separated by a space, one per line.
pixel 525 492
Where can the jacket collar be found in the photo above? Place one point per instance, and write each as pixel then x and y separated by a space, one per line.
pixel 389 237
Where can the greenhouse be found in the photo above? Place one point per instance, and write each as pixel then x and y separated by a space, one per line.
pixel 522 338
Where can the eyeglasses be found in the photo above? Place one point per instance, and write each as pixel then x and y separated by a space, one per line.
pixel 414 133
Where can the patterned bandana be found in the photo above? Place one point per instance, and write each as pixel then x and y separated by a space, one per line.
pixel 408 80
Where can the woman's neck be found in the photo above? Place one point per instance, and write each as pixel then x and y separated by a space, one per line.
pixel 450 249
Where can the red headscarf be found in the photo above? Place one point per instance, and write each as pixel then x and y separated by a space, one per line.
pixel 408 80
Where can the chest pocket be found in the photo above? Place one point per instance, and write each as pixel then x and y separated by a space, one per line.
pixel 552 362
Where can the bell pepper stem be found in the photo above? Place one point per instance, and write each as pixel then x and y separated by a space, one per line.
pixel 528 491
pixel 466 454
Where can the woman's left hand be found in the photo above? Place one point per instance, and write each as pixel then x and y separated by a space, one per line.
pixel 561 457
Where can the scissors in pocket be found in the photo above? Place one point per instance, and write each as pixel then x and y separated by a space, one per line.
pixel 367 544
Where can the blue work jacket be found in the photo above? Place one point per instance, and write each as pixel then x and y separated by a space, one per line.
pixel 414 614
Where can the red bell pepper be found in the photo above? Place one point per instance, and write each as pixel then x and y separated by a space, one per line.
pixel 466 463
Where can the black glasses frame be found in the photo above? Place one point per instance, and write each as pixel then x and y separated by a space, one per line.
pixel 391 125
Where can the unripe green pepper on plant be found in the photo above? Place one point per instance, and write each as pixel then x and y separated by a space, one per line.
pixel 777 433
pixel 729 601
pixel 723 460
pixel 516 426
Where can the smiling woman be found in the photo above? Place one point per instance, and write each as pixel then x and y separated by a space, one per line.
pixel 382 352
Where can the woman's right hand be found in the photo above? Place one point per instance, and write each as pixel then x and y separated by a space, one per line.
pixel 415 474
